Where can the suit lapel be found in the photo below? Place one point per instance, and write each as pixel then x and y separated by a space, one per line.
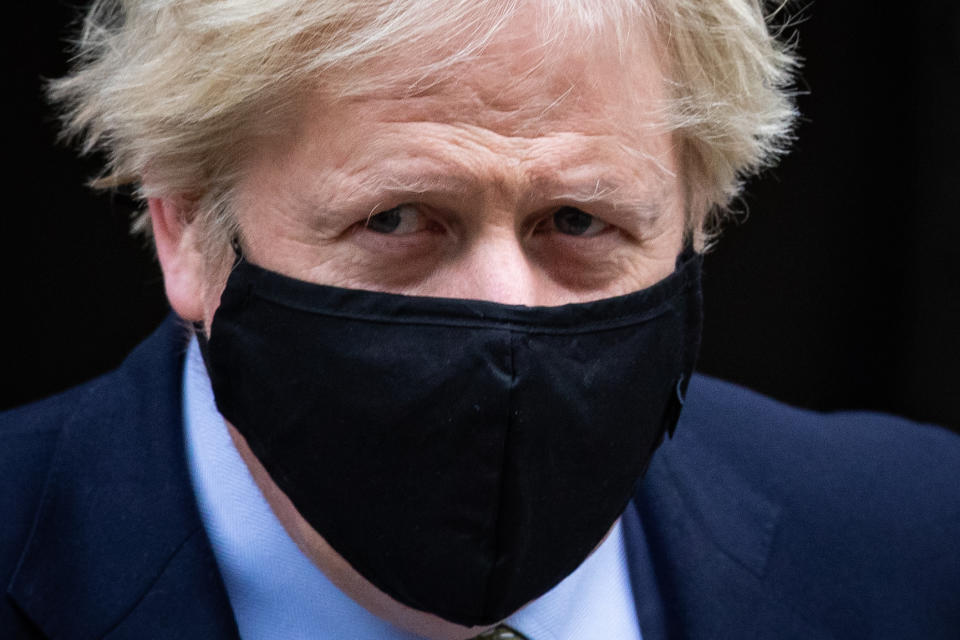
pixel 698 540
pixel 118 549
pixel 706 562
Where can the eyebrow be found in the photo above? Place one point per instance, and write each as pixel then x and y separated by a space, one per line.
pixel 612 196
pixel 548 188
pixel 418 183
pixel 625 198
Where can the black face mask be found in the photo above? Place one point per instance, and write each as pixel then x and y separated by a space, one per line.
pixel 463 456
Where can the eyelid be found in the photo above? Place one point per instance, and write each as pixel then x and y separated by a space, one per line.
pixel 426 221
pixel 548 220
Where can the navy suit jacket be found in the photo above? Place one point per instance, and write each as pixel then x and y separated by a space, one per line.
pixel 755 521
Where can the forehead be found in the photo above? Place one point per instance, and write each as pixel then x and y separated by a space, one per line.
pixel 584 110
pixel 533 76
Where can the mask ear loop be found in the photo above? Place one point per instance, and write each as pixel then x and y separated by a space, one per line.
pixel 198 328
pixel 686 254
pixel 237 250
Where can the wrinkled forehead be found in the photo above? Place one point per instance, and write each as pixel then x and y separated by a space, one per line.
pixel 541 58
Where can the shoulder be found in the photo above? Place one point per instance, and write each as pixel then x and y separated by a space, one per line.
pixel 851 519
pixel 28 439
pixel 29 434
pixel 797 453
pixel 36 438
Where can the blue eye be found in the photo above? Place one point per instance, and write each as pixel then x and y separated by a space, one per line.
pixel 399 220
pixel 574 222
pixel 385 222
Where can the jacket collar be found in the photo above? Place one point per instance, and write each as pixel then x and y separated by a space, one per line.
pixel 118 546
pixel 698 549
pixel 699 534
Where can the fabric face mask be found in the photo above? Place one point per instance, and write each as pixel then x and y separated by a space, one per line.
pixel 463 456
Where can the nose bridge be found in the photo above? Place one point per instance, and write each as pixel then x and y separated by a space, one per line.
pixel 496 268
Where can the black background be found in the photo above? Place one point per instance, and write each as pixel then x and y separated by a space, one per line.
pixel 838 289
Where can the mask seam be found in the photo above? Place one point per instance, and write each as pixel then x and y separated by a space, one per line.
pixel 498 520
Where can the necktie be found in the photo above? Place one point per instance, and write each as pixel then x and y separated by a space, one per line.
pixel 501 632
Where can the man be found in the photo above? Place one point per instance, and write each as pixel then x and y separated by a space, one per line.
pixel 436 269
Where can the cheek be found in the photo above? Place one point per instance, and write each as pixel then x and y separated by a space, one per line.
pixel 649 262
pixel 618 273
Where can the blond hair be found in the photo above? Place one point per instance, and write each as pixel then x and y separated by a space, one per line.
pixel 175 92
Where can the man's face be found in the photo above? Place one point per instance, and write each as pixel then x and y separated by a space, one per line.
pixel 519 179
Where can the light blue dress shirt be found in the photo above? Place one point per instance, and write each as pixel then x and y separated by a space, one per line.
pixel 277 593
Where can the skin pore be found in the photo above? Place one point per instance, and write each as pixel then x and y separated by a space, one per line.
pixel 519 179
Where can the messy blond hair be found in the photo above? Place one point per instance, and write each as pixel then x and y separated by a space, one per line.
pixel 175 92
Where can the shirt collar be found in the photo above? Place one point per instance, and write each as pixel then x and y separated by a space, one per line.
pixel 277 592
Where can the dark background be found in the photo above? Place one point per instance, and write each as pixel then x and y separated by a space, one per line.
pixel 839 289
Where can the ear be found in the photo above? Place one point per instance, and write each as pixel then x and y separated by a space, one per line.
pixel 180 258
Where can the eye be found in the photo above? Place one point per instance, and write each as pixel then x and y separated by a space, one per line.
pixel 397 221
pixel 574 222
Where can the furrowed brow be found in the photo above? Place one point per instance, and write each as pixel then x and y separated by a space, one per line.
pixel 415 183
pixel 642 205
